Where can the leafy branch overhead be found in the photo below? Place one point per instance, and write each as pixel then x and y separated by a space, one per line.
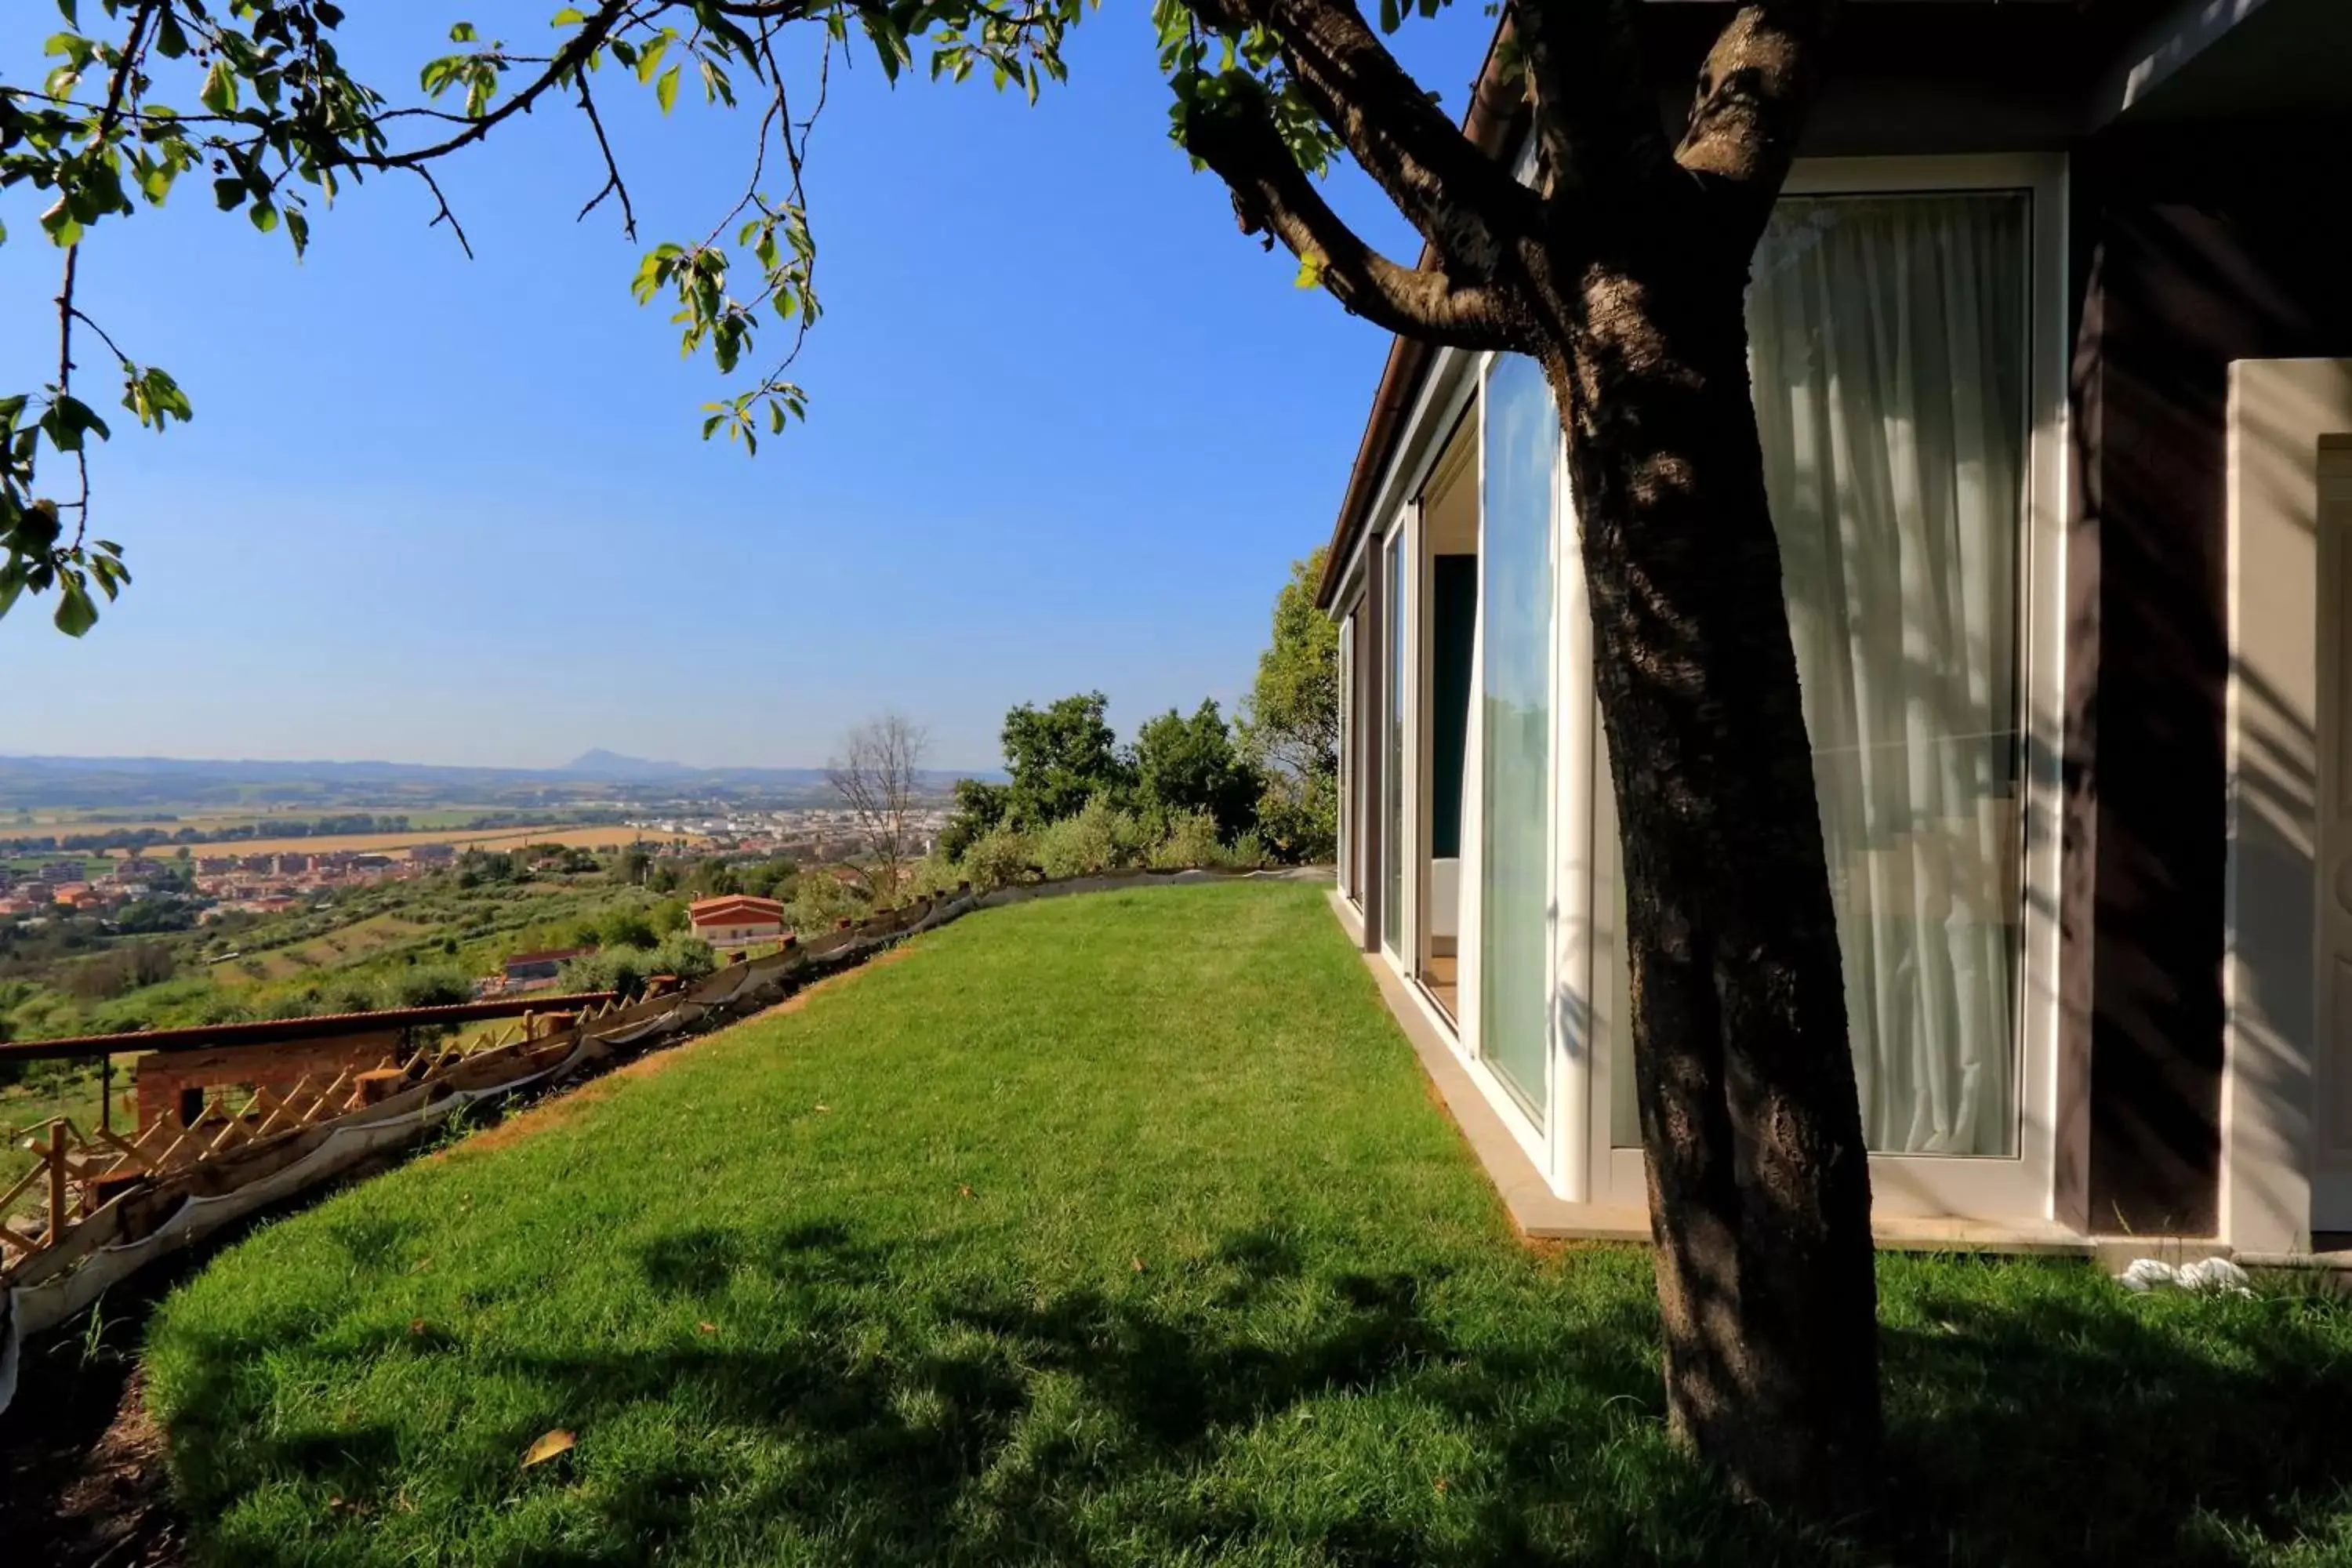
pixel 255 97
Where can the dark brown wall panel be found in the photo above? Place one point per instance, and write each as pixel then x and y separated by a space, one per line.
pixel 2196 252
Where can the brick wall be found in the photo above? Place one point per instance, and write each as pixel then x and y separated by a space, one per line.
pixel 164 1077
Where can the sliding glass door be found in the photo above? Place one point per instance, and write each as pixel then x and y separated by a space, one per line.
pixel 1350 884
pixel 1518 512
pixel 1392 626
pixel 1890 342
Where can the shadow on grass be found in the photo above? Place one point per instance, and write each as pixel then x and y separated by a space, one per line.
pixel 2050 1424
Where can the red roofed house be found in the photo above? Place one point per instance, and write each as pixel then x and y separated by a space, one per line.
pixel 736 919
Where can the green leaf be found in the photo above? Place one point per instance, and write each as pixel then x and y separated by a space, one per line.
pixel 462 32
pixel 76 614
pixel 220 87
pixel 170 41
pixel 299 227
pixel 265 218
pixel 1310 272
pixel 59 222
pixel 228 194
pixel 665 90
pixel 570 17
pixel 648 57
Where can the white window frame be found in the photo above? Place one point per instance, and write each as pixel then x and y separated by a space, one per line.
pixel 2040 1181
pixel 1344 871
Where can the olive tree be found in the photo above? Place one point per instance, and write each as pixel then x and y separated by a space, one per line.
pixel 1618 268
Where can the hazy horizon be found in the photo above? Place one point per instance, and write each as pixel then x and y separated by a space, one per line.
pixel 575 758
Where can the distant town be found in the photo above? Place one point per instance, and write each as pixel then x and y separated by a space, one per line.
pixel 42 881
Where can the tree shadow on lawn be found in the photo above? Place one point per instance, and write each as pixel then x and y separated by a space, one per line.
pixel 971 1424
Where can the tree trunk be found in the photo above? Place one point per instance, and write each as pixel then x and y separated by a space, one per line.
pixel 1759 1181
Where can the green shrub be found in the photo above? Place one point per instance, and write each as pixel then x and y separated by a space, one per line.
pixel 351 996
pixel 1084 845
pixel 432 985
pixel 614 969
pixel 626 969
pixel 1191 840
pixel 688 957
pixel 934 874
pixel 820 898
pixel 1001 855
pixel 1298 818
pixel 1248 853
pixel 627 928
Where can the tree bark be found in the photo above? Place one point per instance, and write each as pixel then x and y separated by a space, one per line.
pixel 1623 270
pixel 1758 1174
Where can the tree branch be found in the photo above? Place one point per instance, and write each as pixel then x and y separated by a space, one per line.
pixel 613 185
pixel 1596 125
pixel 1753 94
pixel 1446 187
pixel 1272 194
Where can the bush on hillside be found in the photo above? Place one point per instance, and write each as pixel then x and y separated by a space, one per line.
pixel 1298 818
pixel 626 927
pixel 688 957
pixel 120 970
pixel 1081 845
pixel 1190 841
pixel 820 898
pixel 1001 855
pixel 1248 853
pixel 430 985
pixel 627 969
pixel 351 996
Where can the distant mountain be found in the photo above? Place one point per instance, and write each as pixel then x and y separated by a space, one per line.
pixel 611 766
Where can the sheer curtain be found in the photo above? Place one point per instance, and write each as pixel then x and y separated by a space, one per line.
pixel 1888 336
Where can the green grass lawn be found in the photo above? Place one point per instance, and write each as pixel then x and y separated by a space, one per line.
pixel 1121 1229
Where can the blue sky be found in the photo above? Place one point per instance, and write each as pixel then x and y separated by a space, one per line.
pixel 1069 429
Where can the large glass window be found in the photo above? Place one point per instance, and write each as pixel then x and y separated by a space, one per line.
pixel 1348 885
pixel 1518 510
pixel 1392 763
pixel 1889 336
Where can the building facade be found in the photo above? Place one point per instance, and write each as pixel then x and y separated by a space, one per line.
pixel 2052 347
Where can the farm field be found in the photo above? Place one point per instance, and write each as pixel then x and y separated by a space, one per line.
pixel 69 819
pixel 401 843
pixel 352 943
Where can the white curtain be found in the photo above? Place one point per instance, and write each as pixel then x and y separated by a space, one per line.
pixel 1889 351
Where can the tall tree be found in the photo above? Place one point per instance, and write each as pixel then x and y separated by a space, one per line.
pixel 1620 267
pixel 878 777
pixel 1192 764
pixel 1290 724
pixel 1060 756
